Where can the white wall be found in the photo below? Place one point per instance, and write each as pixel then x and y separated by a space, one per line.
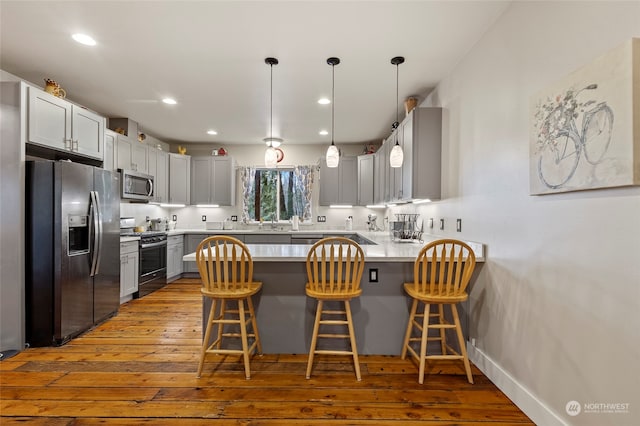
pixel 556 312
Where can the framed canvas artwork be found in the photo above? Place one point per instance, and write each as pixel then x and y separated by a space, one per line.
pixel 585 129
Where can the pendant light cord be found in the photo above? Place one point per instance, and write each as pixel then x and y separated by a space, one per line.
pixel 271 108
pixel 397 96
pixel 333 98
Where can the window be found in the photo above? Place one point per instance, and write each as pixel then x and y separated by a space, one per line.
pixel 277 194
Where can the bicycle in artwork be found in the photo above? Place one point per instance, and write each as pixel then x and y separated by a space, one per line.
pixel 561 143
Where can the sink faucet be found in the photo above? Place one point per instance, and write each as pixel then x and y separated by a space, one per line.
pixel 273 223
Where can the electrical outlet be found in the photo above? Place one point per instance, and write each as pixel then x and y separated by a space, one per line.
pixel 175 217
pixel 431 223
pixel 442 224
pixel 234 218
pixel 204 218
pixel 459 225
pixel 322 218
pixel 373 275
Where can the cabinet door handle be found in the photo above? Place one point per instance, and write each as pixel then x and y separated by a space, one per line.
pixel 76 145
pixel 68 144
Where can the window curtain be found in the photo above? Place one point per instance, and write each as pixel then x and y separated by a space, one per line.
pixel 303 182
pixel 247 177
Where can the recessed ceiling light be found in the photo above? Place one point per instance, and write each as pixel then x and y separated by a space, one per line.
pixel 323 132
pixel 212 132
pixel 324 101
pixel 169 101
pixel 84 39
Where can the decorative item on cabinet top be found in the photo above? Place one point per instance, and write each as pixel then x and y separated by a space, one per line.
pixel 182 150
pixel 51 86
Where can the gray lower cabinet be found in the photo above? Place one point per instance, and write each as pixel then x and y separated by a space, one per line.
pixel 175 252
pixel 267 238
pixel 129 259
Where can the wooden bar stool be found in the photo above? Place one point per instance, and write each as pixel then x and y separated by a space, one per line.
pixel 226 270
pixel 334 270
pixel 441 274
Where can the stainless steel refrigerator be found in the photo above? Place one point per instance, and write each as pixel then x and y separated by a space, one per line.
pixel 72 249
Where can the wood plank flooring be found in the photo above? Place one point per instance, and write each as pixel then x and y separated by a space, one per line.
pixel 140 368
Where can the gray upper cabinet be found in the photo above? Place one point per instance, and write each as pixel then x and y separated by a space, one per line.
pixel 179 178
pixel 132 155
pixel 421 134
pixel 339 185
pixel 379 180
pixel 110 150
pixel 366 180
pixel 213 180
pixel 158 162
pixel 59 124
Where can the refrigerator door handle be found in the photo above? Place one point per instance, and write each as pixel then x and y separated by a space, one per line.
pixel 95 246
pixel 100 232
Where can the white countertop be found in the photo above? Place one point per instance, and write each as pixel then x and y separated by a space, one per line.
pixel 385 250
pixel 129 239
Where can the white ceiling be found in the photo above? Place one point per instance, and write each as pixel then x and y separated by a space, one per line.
pixel 209 56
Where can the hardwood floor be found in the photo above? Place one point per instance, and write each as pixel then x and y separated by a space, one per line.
pixel 140 368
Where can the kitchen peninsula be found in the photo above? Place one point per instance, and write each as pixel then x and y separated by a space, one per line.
pixel 285 314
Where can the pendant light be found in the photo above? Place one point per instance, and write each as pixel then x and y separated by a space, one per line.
pixel 333 155
pixel 270 154
pixel 396 155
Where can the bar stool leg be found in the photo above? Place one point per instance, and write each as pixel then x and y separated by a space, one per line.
pixel 254 325
pixel 352 337
pixel 463 349
pixel 407 335
pixel 314 338
pixel 207 336
pixel 243 335
pixel 423 342
pixel 443 337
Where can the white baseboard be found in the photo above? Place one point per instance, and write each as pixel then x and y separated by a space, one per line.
pixel 539 413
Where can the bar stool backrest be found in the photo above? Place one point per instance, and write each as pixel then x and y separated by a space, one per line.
pixel 225 265
pixel 335 266
pixel 443 268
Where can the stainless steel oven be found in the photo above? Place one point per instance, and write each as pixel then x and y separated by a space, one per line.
pixel 153 263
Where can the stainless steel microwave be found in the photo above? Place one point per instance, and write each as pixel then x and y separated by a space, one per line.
pixel 136 186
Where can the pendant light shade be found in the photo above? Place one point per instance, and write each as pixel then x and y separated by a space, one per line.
pixel 333 155
pixel 270 154
pixel 396 156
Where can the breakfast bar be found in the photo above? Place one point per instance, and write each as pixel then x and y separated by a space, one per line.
pixel 285 314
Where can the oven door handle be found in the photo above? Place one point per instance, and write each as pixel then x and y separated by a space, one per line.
pixel 152 245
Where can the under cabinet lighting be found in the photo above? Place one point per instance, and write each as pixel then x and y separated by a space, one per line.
pixel 323 132
pixel 208 205
pixel 212 132
pixel 172 205
pixel 324 101
pixel 391 205
pixel 169 101
pixel 340 206
pixel 426 200
pixel 376 206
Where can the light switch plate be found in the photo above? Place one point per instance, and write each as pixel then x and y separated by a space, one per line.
pixel 204 218
pixel 459 225
pixel 442 224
